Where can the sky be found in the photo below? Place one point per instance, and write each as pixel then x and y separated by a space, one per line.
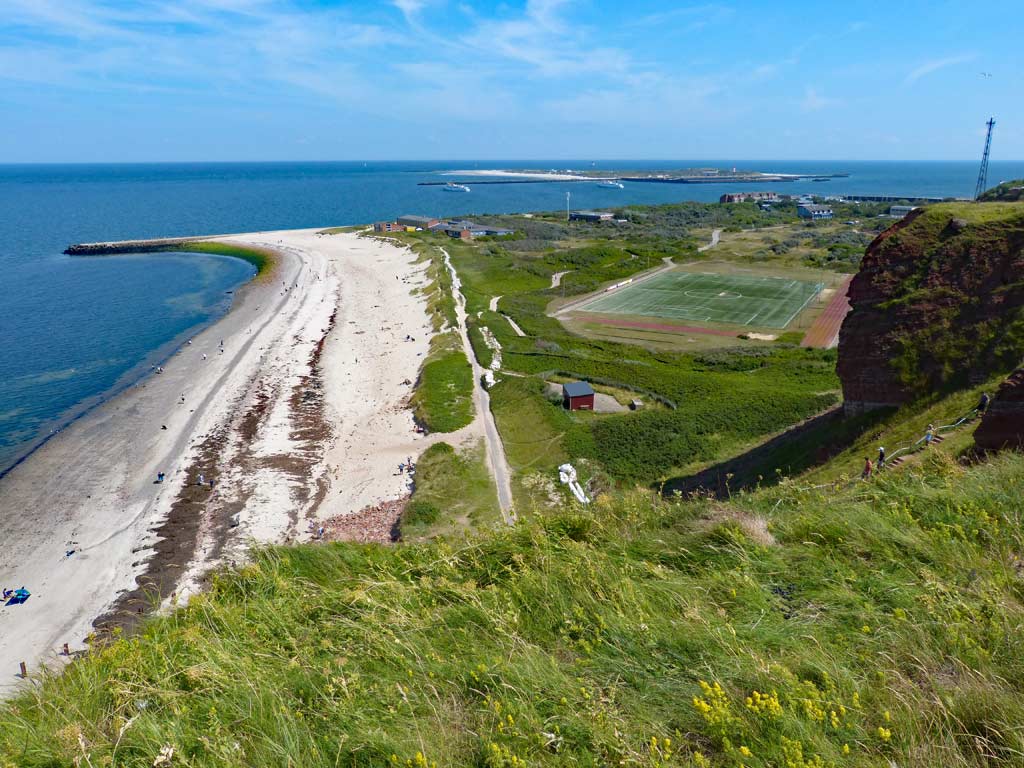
pixel 205 80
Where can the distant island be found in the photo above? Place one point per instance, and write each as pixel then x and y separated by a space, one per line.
pixel 661 176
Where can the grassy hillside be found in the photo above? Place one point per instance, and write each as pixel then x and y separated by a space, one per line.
pixel 783 629
pixel 1007 191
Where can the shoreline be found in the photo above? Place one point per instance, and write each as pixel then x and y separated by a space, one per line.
pixel 130 378
pixel 298 419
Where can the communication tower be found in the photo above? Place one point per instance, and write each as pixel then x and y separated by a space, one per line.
pixel 983 171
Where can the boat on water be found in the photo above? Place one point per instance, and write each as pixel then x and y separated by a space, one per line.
pixel 451 186
pixel 611 184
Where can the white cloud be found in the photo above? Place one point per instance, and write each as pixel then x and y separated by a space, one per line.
pixel 935 65
pixel 814 101
pixel 409 8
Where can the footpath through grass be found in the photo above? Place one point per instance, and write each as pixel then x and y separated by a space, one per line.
pixel 880 626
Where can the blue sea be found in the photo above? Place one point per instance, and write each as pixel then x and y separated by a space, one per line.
pixel 74 331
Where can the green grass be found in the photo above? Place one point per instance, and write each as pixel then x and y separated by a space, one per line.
pixel 767 302
pixel 443 400
pixel 262 259
pixel 878 626
pixel 454 493
pixel 724 399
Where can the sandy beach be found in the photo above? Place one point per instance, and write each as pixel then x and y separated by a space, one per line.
pixel 550 175
pixel 293 404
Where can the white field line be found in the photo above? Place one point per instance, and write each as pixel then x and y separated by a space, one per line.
pixel 802 306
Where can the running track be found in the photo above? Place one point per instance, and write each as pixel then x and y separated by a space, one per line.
pixel 660 327
pixel 824 333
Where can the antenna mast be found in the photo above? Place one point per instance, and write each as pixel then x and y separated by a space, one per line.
pixel 983 171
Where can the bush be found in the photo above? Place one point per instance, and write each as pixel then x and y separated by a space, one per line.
pixel 420 513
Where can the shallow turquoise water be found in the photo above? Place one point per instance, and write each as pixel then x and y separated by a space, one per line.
pixel 74 330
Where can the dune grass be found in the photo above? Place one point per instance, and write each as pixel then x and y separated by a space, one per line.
pixel 262 258
pixel 783 629
pixel 443 401
pixel 454 493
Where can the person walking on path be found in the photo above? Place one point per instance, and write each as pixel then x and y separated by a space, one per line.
pixel 881 456
pixel 983 403
pixel 929 435
pixel 866 474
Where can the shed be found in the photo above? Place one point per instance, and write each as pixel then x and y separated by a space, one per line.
pixel 578 396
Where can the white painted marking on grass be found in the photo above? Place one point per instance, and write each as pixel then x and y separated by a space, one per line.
pixel 801 307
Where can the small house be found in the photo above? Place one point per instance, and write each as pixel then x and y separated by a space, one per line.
pixel 578 396
pixel 388 226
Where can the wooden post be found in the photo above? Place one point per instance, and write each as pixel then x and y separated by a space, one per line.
pixel 66 651
pixel 24 671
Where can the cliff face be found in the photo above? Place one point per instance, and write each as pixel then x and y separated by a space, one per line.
pixel 938 302
pixel 1002 426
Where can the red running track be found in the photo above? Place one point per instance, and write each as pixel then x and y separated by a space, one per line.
pixel 661 327
pixel 825 329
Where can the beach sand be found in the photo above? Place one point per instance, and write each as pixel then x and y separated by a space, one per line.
pixel 302 417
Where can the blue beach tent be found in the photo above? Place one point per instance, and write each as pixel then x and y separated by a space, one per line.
pixel 19 596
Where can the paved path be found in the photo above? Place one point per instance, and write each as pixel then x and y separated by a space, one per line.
pixel 556 279
pixel 715 235
pixel 482 403
pixel 494 303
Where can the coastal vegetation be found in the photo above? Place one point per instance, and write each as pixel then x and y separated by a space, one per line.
pixel 876 625
pixel 454 494
pixel 443 400
pixel 261 258
pixel 711 404
pixel 951 309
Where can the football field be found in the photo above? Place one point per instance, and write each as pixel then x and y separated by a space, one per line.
pixel 706 297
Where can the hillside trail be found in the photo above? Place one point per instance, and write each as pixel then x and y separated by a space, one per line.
pixel 716 235
pixel 907 455
pixel 494 449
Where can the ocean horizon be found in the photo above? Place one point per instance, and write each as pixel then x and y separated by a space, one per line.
pixel 78 330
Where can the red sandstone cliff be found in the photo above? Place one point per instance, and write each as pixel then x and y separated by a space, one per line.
pixel 938 302
pixel 1002 426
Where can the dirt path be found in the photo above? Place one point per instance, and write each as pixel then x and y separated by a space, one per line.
pixel 493 306
pixel 482 402
pixel 515 326
pixel 556 279
pixel 715 236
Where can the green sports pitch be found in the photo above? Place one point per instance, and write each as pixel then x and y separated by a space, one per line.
pixel 706 297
